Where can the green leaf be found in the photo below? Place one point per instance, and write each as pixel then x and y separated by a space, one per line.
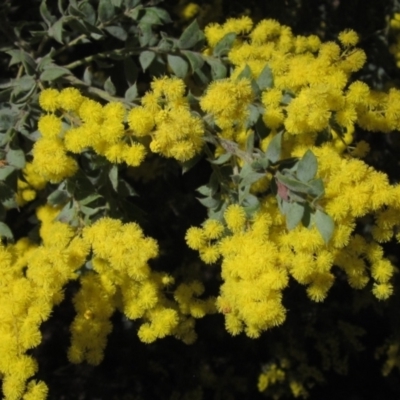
pixel 16 158
pixel 7 119
pixel 250 204
pixel 88 11
pixel 45 13
pixel 251 178
pixel 292 183
pixel 53 72
pixel 178 65
pixel 6 171
pixel 316 188
pixel 254 113
pixel 162 14
pixel 307 167
pixel 105 11
pixel 261 163
pixel 146 58
pixel 117 3
pixel 196 60
pixel 132 93
pixel 294 214
pixel 287 98
pixel 89 199
pixel 109 87
pixel 273 152
pixel 265 79
pixel 58 197
pixel 56 31
pixel 224 45
pixel 205 190
pixel 222 159
pixel 118 32
pixel 68 213
pixel 5 232
pixel 209 202
pixel 245 74
pixel 150 17
pixel 191 36
pixel 113 176
pixel 88 76
pixel 131 3
pixel 325 225
pixel 218 68
pixel 125 189
pixel 250 143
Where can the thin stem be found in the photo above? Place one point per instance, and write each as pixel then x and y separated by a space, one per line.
pixel 96 91
pixel 70 44
pixel 106 54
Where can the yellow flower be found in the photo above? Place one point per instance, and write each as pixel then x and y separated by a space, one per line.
pixel 382 291
pixel 348 38
pixel 48 100
pixel 141 121
pixel 49 125
pixel 70 99
pixel 91 111
pixel 235 217
pixel 195 238
pixel 213 229
pixel 134 155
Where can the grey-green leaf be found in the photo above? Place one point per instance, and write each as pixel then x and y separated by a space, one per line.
pixel 5 232
pixel 218 68
pixel 132 93
pixel 209 202
pixel 294 214
pixel 196 60
pixel 222 159
pixel 265 79
pixel 109 87
pixel 325 225
pixel 16 158
pixel 53 72
pixel 106 10
pixel 224 45
pixel 307 167
pixel 273 152
pixel 146 58
pixel 56 31
pixel 178 65
pixel 58 197
pixel 113 176
pixel 117 31
pixel 190 36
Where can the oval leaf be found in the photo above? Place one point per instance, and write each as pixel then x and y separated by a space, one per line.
pixel 146 58
pixel 307 167
pixel 190 36
pixel 294 215
pixel 178 65
pixel 324 224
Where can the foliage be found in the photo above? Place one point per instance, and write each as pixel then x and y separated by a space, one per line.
pixel 113 132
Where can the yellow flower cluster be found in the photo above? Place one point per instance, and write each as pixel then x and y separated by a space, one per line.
pixel 117 276
pixel 32 281
pixel 87 124
pixel 259 254
pixel 28 187
pixel 314 74
pixel 271 375
pixel 166 117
